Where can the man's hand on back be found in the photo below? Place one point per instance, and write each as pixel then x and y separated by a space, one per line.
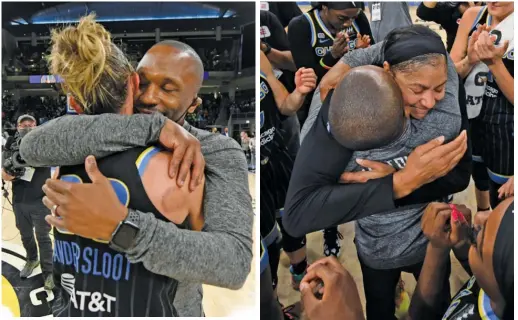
pixel 429 162
pixel 91 210
pixel 186 151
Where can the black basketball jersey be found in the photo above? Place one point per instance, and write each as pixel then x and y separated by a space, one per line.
pixel 272 141
pixel 276 160
pixel 470 303
pixel 94 280
pixel 496 109
pixel 322 39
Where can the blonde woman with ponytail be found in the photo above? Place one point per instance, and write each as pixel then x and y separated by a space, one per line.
pixel 100 79
pixel 95 72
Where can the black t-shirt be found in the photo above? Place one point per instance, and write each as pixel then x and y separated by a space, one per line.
pixel 30 192
pixel 285 11
pixel 470 303
pixel 272 33
pixel 94 280
pixel 447 16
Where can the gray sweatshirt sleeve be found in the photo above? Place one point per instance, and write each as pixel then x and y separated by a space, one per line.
pixel 68 140
pixel 221 254
pixel 364 57
pixel 314 109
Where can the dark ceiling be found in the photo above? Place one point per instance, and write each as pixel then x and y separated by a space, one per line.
pixel 128 17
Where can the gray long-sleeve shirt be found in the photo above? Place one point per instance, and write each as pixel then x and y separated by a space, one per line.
pixel 393 238
pixel 221 254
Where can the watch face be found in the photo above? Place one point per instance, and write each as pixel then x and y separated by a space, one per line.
pixel 125 236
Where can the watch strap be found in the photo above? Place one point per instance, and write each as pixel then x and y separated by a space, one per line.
pixel 133 218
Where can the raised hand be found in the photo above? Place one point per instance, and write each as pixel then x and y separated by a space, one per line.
pixel 305 80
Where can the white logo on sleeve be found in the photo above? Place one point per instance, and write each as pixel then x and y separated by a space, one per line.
pixel 265 32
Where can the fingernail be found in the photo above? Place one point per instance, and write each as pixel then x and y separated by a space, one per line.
pixel 454 216
pixel 359 161
pixel 182 182
pixel 440 139
pixel 303 286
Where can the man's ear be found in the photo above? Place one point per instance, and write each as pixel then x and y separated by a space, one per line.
pixel 386 66
pixel 73 103
pixel 195 103
pixel 135 82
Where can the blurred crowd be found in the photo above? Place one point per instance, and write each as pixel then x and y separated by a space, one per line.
pixel 43 108
pixel 30 60
pixel 207 113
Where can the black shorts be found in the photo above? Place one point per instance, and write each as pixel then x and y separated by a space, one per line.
pixel 476 128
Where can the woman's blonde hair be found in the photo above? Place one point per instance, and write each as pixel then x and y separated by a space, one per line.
pixel 94 70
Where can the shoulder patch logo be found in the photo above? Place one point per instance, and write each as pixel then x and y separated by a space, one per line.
pixel 265 32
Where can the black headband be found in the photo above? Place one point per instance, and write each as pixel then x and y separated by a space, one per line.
pixel 413 45
pixel 503 255
pixel 340 5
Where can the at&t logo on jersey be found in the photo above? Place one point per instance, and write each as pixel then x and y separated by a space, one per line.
pixel 81 300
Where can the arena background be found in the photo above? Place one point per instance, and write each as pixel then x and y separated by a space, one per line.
pixel 348 255
pixel 223 34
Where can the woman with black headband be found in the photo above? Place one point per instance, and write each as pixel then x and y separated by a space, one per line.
pixel 489 248
pixel 415 56
pixel 318 39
